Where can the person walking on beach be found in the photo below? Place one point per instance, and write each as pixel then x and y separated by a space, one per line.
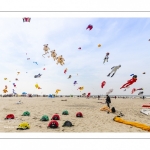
pixel 115 97
pixel 108 101
pixel 98 97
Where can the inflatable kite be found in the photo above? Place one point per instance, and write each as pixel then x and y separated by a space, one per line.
pixel 132 75
pixel 80 88
pixel 26 19
pixel 14 92
pixel 79 48
pixel 53 54
pixel 38 76
pixel 140 93
pixel 90 27
pixel 65 70
pixel 35 63
pixel 99 45
pixel 69 76
pixel 133 90
pixel 5 91
pixel 14 84
pixel 28 58
pixel 18 73
pixel 16 79
pixel 103 84
pixel 57 91
pixel 110 91
pixel 88 95
pixel 5 78
pixel 144 73
pixel 130 82
pixel 60 60
pixel 37 86
pixel 45 48
pixel 75 82
pixel 43 68
pixel 106 58
pixel 114 69
pixel 140 89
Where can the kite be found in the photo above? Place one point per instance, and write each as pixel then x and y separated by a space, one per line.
pixel 88 95
pixel 37 86
pixel 28 58
pixel 114 69
pixel 106 58
pixel 43 68
pixel 103 84
pixel 14 92
pixel 5 86
pixel 75 82
pixel 18 73
pixel 65 70
pixel 110 91
pixel 140 93
pixel 84 94
pixel 90 27
pixel 16 79
pixel 60 60
pixel 5 91
pixel 35 63
pixel 57 91
pixel 132 75
pixel 69 76
pixel 140 89
pixel 79 48
pixel 38 76
pixel 133 90
pixel 5 78
pixel 80 88
pixel 149 40
pixel 130 82
pixel 144 73
pixel 14 84
pixel 53 54
pixel 99 45
pixel 46 48
pixel 26 19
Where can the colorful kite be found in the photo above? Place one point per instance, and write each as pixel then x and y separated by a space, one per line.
pixel 106 58
pixel 133 90
pixel 140 89
pixel 132 75
pixel 88 95
pixel 80 88
pixel 45 48
pixel 69 76
pixel 18 73
pixel 114 69
pixel 37 86
pixel 38 76
pixel 5 90
pixel 35 63
pixel 99 45
pixel 90 27
pixel 43 68
pixel 5 78
pixel 65 70
pixel 75 82
pixel 103 84
pixel 57 91
pixel 130 82
pixel 14 84
pixel 79 48
pixel 26 19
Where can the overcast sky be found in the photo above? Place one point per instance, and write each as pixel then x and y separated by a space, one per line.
pixel 126 39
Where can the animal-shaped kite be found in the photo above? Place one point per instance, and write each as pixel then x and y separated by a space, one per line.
pixel 140 93
pixel 45 48
pixel 43 68
pixel 132 75
pixel 114 69
pixel 57 91
pixel 144 73
pixel 133 90
pixel 18 73
pixel 149 40
pixel 80 88
pixel 65 70
pixel 5 78
pixel 26 19
pixel 110 91
pixel 38 76
pixel 79 48
pixel 130 82
pixel 5 91
pixel 90 27
pixel 53 54
pixel 35 63
pixel 106 58
pixel 103 84
pixel 60 60
pixel 75 82
pixel 69 77
pixel 28 58
pixel 99 45
pixel 140 89
pixel 37 86
pixel 14 84
pixel 16 79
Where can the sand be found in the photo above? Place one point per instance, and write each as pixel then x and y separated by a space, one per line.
pixel 93 119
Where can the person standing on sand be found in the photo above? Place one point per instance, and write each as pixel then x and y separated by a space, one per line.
pixel 115 97
pixel 98 97
pixel 108 100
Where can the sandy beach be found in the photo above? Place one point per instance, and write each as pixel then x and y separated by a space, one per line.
pixel 93 119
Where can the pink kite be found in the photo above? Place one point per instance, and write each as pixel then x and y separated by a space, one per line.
pixel 133 90
pixel 90 27
pixel 103 84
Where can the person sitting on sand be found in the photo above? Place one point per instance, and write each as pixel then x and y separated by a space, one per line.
pixel 108 100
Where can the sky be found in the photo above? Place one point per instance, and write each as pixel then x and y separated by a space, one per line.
pixel 126 39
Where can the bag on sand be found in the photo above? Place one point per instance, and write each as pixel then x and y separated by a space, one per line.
pixel 79 114
pixel 10 116
pixel 113 110
pixel 55 117
pixel 53 124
